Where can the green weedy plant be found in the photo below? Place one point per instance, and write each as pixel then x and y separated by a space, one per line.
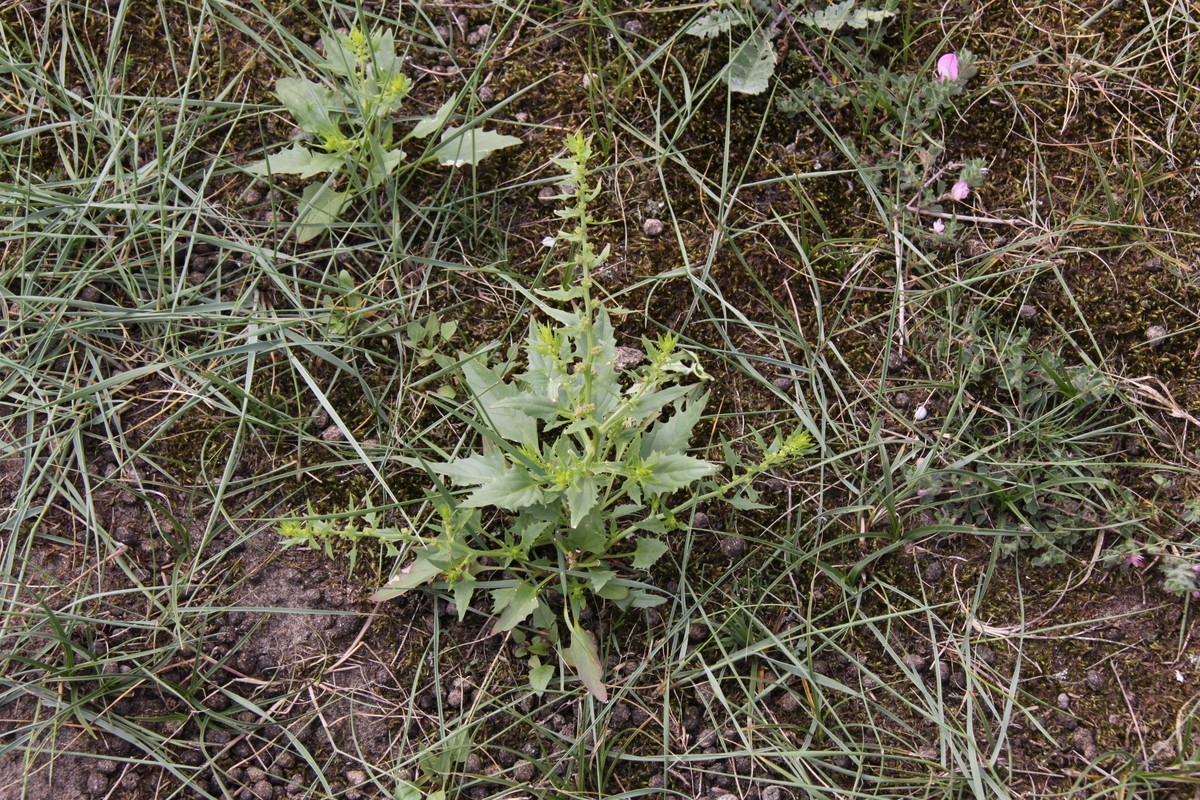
pixel 1033 465
pixel 900 118
pixel 349 121
pixel 752 62
pixel 582 472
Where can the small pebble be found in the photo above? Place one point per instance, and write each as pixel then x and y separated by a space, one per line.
pixel 1064 701
pixel 1155 333
pixel 628 357
pixel 935 571
pixel 733 547
pixel 921 413
pixel 1028 311
pixel 775 793
pixel 788 702
pixel 479 35
pixel 652 227
pixel 486 94
pixel 1095 680
pixel 1085 742
pixel 332 434
pixel 97 784
pixel 523 772
pixel 783 382
pixel 548 194
pixel 1162 753
pixel 633 27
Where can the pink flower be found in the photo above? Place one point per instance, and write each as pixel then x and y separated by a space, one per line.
pixel 947 67
pixel 1134 560
pixel 939 226
pixel 960 190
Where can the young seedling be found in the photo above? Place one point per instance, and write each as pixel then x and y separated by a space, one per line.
pixel 348 120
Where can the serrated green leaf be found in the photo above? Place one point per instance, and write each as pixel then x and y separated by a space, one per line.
pixel 407 791
pixel 418 571
pixel 340 58
pixel 320 206
pixel 589 535
pixel 648 552
pixel 672 435
pixel 453 750
pixel 716 22
pixel 843 15
pixel 540 677
pixel 514 604
pixel 473 469
pixel 488 388
pixel 745 504
pixel 427 126
pixel 536 406
pixel 581 497
pixel 461 148
pixel 309 103
pixel 463 591
pixel 382 164
pixel 561 295
pixel 614 591
pixel 675 471
pixel 513 490
pixel 599 578
pixel 297 160
pixel 751 65
pixel 651 403
pixel 583 657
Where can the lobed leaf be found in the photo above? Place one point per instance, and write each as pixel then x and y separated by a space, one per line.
pixel 752 65
pixel 675 471
pixel 320 206
pixel 426 126
pixel 584 658
pixel 297 160
pixel 461 148
pixel 309 103
pixel 473 469
pixel 514 604
pixel 672 435
pixel 540 677
pixel 514 490
pixel 648 552
pixel 715 23
pixel 419 571
pixel 487 389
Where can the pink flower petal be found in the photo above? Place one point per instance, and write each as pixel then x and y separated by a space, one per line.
pixel 960 190
pixel 947 67
pixel 939 226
